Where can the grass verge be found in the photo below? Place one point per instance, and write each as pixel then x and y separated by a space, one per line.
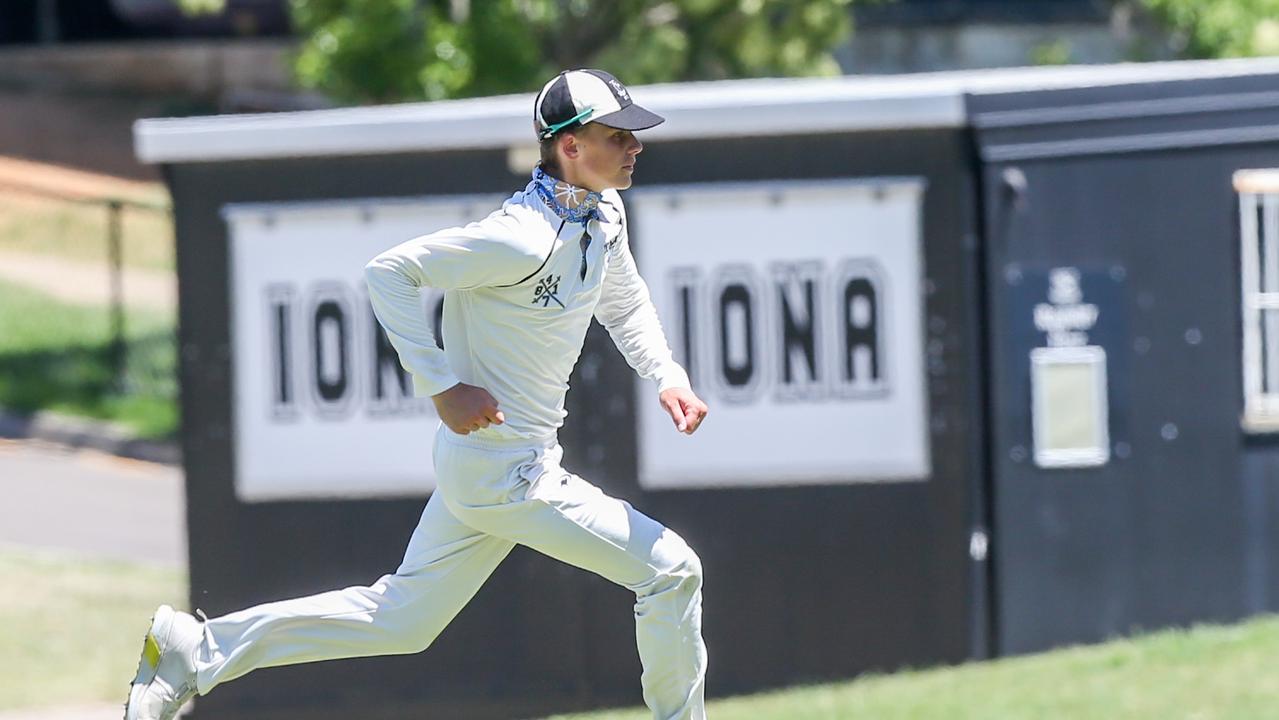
pixel 78 231
pixel 71 628
pixel 1206 673
pixel 56 356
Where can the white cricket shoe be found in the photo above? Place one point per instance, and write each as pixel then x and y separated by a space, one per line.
pixel 166 672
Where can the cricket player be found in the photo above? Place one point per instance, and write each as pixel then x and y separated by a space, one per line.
pixel 521 287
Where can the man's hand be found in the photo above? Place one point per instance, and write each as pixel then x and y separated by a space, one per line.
pixel 684 407
pixel 466 408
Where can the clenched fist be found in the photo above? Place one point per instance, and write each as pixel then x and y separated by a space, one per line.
pixel 467 408
pixel 686 409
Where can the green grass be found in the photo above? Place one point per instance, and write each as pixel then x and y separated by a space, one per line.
pixel 78 231
pixel 71 628
pixel 70 631
pixel 55 356
pixel 1207 673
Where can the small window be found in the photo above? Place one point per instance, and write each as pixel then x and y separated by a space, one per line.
pixel 1259 271
pixel 1070 409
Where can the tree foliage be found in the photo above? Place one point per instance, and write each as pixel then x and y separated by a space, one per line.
pixel 389 50
pixel 1221 28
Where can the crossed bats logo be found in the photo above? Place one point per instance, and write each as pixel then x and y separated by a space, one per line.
pixel 547 290
pixel 621 91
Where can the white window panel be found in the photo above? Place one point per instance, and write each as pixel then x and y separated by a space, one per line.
pixel 1259 302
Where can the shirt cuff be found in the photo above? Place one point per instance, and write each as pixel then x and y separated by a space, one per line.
pixel 672 376
pixel 431 372
pixel 428 387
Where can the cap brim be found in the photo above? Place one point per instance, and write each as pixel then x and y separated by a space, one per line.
pixel 631 117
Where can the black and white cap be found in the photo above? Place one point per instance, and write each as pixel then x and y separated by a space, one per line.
pixel 576 97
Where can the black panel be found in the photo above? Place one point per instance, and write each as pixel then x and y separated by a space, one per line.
pixel 1176 528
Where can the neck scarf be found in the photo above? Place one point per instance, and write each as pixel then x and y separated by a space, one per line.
pixel 571 203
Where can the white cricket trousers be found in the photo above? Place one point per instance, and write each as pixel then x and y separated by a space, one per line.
pixel 489 497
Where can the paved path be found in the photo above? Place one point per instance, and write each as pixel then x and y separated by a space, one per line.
pixel 86 283
pixel 91 503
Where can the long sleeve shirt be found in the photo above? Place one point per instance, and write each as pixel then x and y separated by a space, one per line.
pixel 520 288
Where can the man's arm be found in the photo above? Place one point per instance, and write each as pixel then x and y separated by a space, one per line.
pixel 459 258
pixel 626 311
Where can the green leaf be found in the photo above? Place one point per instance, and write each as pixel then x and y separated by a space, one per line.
pixel 1220 28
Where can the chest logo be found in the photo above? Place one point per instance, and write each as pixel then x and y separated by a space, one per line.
pixel 547 289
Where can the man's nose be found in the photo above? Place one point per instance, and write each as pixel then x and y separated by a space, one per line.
pixel 637 147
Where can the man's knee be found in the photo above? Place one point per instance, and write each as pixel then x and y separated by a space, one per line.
pixel 414 641
pixel 693 566
pixel 408 634
pixel 406 627
pixel 679 571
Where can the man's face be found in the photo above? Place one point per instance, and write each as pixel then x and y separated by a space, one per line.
pixel 599 157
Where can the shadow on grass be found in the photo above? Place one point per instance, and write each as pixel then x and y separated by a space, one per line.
pixel 81 379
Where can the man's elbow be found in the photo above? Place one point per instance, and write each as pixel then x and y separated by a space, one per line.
pixel 379 267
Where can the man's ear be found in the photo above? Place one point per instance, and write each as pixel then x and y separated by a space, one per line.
pixel 569 146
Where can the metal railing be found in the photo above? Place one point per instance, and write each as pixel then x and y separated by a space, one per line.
pixel 96 351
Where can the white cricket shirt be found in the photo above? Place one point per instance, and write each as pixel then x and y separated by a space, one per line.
pixel 520 288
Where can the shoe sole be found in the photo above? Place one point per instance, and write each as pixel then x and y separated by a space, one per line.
pixel 149 663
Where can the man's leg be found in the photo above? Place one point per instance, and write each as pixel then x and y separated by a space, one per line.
pixel 561 515
pixel 444 566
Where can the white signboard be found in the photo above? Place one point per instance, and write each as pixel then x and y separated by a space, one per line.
pixel 797 308
pixel 322 406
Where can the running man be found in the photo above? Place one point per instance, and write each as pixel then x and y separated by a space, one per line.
pixel 520 288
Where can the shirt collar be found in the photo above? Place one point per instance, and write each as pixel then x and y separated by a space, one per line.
pixel 569 202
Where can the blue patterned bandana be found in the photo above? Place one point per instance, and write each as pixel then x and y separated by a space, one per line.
pixel 572 203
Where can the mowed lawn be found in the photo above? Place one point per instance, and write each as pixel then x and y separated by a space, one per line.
pixel 1207 673
pixel 71 628
pixel 57 356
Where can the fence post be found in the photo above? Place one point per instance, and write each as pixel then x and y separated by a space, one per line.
pixel 115 209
